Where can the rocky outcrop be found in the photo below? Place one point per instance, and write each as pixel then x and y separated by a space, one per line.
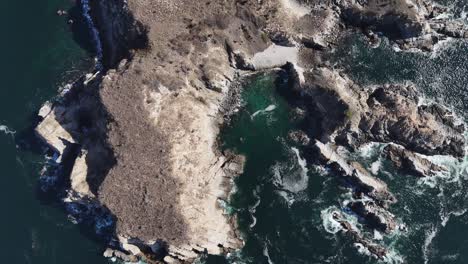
pixel 410 162
pixel 409 23
pixel 387 114
pixel 372 198
pixel 349 116
pixel 376 250
pixel 393 115
pixel 362 181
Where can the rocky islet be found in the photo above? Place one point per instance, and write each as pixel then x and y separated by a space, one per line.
pixel 139 137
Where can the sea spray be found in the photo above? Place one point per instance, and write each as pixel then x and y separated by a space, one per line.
pixel 94 33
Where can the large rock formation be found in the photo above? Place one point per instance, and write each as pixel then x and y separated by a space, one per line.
pixel 148 168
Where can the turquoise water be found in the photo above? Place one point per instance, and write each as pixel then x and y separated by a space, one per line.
pixel 39 55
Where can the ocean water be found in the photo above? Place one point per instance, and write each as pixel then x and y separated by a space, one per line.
pixel 286 219
pixel 40 53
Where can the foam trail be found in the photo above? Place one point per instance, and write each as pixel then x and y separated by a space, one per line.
pixel 266 254
pixel 294 178
pixel 427 243
pixel 253 209
pixel 6 130
pixel 94 32
pixel 447 217
pixel 268 109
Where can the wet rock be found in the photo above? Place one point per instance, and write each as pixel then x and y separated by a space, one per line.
pixel 377 250
pixel 393 115
pixel 357 176
pixel 374 216
pixel 412 24
pixel 299 137
pixel 396 19
pixel 109 253
pixel 352 115
pixel 410 162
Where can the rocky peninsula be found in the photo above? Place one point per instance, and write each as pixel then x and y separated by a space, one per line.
pixel 137 140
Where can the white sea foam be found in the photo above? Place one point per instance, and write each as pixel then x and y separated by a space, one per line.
pixel 457 170
pixel 393 257
pixel 253 209
pixel 266 254
pixel 266 110
pixel 368 150
pixel 6 130
pixel 377 235
pixel 445 218
pixel 348 198
pixel 291 176
pixel 430 235
pixel 331 217
pixel 288 197
pixel 375 166
pixel 442 46
pixel 329 222
pixel 300 180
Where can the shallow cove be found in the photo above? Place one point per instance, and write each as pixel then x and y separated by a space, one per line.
pixel 278 201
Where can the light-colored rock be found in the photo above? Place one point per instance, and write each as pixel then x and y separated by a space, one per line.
pixel 353 169
pixel 79 175
pixel 275 56
pixel 52 131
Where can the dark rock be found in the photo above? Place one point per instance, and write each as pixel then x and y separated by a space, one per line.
pixel 299 137
pixel 409 162
pixel 395 116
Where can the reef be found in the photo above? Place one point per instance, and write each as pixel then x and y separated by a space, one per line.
pixel 140 134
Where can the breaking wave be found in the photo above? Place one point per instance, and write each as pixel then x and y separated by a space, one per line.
pixel 94 32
